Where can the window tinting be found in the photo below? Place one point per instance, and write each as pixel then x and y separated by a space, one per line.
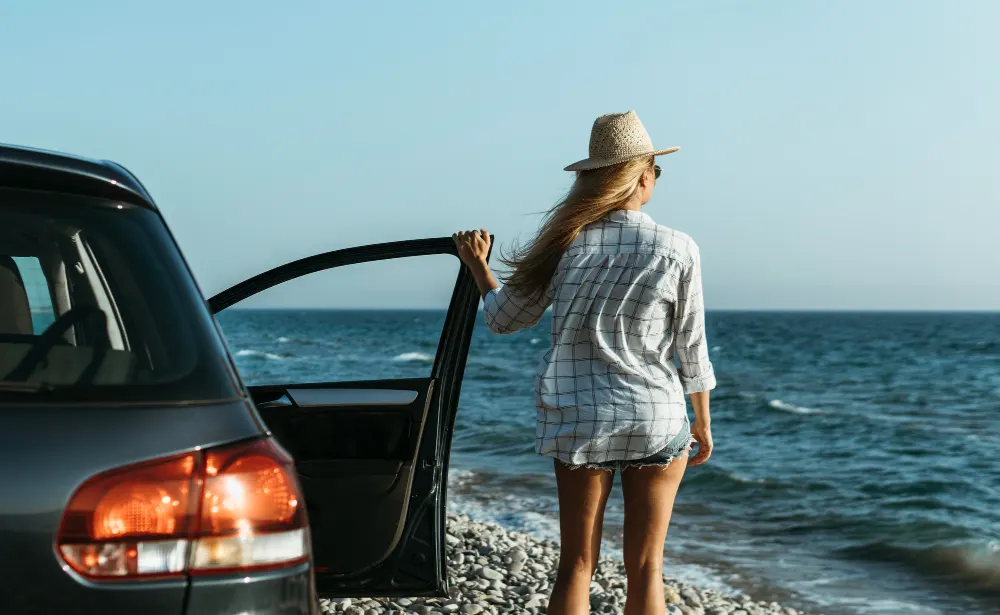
pixel 97 305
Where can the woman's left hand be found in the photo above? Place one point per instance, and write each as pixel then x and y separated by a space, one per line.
pixel 702 434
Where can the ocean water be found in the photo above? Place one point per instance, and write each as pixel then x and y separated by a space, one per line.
pixel 857 462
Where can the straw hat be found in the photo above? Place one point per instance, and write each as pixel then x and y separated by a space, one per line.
pixel 617 138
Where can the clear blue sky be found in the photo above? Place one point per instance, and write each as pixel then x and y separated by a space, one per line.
pixel 834 154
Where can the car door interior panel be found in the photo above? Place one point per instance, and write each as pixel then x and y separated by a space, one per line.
pixel 308 398
pixel 355 458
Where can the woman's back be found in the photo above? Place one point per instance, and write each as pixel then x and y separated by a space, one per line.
pixel 625 294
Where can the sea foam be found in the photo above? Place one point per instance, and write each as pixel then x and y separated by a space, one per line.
pixel 777 404
pixel 260 354
pixel 413 357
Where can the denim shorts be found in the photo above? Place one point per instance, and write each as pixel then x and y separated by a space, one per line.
pixel 678 446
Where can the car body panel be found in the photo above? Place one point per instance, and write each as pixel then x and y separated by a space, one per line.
pixel 57 448
pixel 280 592
pixel 34 169
pixel 48 450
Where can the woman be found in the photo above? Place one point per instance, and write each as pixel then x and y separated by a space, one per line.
pixel 625 295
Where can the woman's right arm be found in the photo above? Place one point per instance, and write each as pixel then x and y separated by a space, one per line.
pixel 473 248
pixel 504 311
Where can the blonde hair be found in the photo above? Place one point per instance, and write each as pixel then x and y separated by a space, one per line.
pixel 594 194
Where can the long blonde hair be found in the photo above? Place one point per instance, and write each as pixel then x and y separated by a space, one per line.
pixel 594 194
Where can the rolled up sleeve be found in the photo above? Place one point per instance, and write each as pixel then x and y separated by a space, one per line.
pixel 506 312
pixel 695 368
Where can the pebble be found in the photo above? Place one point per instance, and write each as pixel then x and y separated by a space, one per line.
pixel 493 571
pixel 535 603
pixel 691 597
pixel 671 596
pixel 489 573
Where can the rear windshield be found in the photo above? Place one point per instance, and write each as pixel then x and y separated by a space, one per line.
pixel 97 305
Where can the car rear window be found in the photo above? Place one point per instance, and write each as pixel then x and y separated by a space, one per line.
pixel 96 304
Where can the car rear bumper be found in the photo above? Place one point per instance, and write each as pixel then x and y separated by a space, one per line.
pixel 282 592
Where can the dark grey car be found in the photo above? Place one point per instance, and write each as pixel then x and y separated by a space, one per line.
pixel 141 476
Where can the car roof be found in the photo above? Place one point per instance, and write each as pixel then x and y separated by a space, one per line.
pixel 35 169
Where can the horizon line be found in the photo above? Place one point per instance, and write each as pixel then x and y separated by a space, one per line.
pixel 716 310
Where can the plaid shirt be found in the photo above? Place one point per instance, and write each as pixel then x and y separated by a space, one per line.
pixel 625 296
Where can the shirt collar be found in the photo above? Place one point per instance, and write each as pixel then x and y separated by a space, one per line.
pixel 627 216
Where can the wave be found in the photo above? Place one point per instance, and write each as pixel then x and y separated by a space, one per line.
pixel 777 404
pixel 460 478
pixel 413 357
pixel 535 340
pixel 720 395
pixel 486 374
pixel 292 340
pixel 974 566
pixel 714 479
pixel 260 354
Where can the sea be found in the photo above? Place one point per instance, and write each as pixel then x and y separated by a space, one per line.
pixel 857 460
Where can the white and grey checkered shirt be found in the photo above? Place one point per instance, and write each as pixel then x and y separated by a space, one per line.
pixel 625 296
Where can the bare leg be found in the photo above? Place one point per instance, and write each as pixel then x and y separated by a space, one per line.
pixel 583 493
pixel 649 494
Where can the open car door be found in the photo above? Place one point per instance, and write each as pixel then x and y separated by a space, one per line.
pixel 372 455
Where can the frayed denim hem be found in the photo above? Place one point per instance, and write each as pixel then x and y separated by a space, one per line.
pixel 661 459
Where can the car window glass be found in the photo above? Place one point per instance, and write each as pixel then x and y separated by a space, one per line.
pixel 37 288
pixel 96 304
pixel 368 321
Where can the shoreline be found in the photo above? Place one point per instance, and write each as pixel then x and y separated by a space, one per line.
pixel 499 571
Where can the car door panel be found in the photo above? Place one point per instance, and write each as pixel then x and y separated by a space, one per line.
pixel 372 455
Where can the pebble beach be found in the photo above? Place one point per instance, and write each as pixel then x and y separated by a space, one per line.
pixel 496 571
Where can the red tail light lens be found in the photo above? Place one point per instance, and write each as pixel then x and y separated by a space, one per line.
pixel 251 511
pixel 227 509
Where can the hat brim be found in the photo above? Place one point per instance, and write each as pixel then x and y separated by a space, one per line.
pixel 590 164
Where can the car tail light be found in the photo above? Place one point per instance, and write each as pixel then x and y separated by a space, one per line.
pixel 227 509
